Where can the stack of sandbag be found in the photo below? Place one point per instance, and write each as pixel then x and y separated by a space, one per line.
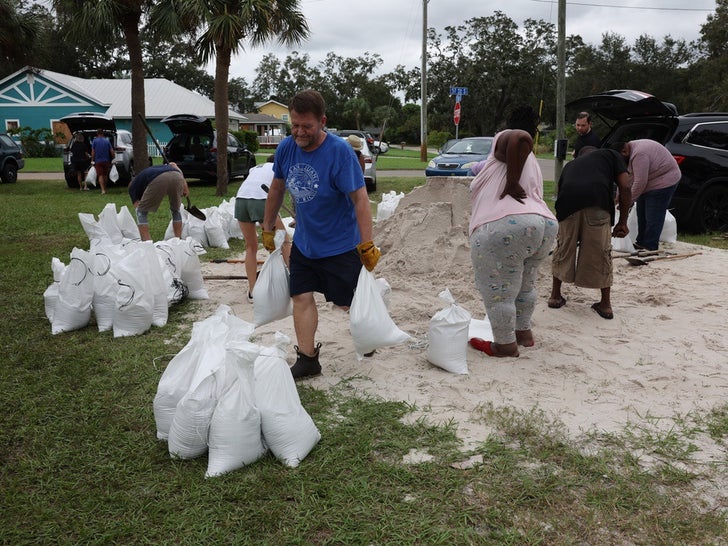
pixel 129 286
pixel 232 399
pixel 215 231
pixel 626 244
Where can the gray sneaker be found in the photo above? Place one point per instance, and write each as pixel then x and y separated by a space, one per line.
pixel 306 366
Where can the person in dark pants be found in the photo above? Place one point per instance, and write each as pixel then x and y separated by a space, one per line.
pixel 585 211
pixel 333 236
pixel 654 175
pixel 80 159
pixel 149 188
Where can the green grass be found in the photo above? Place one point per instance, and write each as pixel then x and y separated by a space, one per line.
pixel 80 463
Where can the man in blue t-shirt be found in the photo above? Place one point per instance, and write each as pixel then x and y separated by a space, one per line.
pixel 333 236
pixel 102 153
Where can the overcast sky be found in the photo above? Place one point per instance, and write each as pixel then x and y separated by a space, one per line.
pixel 393 28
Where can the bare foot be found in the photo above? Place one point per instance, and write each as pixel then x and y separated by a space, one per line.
pixel 525 338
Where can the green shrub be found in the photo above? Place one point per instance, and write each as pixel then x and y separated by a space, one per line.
pixel 249 138
pixel 36 142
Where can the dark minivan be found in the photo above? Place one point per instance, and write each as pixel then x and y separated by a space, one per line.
pixel 194 149
pixel 698 141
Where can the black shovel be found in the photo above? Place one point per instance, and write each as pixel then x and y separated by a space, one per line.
pixel 194 211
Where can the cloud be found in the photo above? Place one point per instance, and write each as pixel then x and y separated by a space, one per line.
pixel 393 28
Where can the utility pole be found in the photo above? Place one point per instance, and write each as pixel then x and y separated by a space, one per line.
pixel 423 86
pixel 560 90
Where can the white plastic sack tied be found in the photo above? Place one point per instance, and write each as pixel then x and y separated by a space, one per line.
pixel 75 294
pixel 50 296
pixel 389 203
pixel 448 336
pixel 91 176
pixel 369 321
pixel 271 294
pixel 114 173
pixel 288 429
pixel 235 437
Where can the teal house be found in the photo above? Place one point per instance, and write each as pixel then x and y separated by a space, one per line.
pixel 37 98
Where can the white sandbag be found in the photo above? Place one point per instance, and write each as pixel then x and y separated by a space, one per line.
pixel 197 230
pixel 216 235
pixel 93 229
pixel 157 284
pixel 480 329
pixel 369 321
pixel 669 229
pixel 191 422
pixel 169 233
pixel 106 285
pixel 188 433
pixel 448 336
pixel 75 294
pixel 50 296
pixel 288 429
pixel 389 203
pixel 108 220
pixel 230 223
pixel 91 176
pixel 135 298
pixel 272 292
pixel 179 373
pixel 191 273
pixel 114 173
pixel 386 291
pixel 626 244
pixel 127 224
pixel 235 437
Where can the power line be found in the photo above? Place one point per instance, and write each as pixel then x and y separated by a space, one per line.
pixel 626 7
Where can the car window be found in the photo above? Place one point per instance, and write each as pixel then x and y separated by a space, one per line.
pixel 7 141
pixel 125 138
pixel 233 142
pixel 470 147
pixel 710 135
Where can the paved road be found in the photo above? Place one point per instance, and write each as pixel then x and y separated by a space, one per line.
pixel 547 168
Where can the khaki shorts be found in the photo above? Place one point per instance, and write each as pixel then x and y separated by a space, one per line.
pixel 583 253
pixel 169 183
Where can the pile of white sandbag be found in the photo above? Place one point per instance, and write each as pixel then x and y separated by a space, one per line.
pixel 232 399
pixel 215 231
pixel 127 284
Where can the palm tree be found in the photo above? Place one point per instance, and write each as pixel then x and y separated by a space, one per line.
pixel 221 27
pixel 17 35
pixel 102 18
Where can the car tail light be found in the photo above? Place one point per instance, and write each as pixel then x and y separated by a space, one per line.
pixel 119 150
pixel 367 160
pixel 679 159
pixel 213 150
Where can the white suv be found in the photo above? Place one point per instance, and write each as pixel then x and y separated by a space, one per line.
pixel 88 123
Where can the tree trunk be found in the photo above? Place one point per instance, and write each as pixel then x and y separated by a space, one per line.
pixel 222 70
pixel 130 25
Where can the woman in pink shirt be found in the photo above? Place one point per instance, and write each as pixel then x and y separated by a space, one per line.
pixel 512 230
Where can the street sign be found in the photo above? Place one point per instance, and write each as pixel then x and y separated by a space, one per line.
pixel 459 91
pixel 456 114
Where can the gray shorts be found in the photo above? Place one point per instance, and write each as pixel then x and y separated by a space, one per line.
pixel 583 253
pixel 249 210
pixel 169 183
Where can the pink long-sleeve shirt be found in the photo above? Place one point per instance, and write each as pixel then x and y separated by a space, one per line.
pixel 651 167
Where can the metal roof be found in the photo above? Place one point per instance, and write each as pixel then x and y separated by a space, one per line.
pixel 162 97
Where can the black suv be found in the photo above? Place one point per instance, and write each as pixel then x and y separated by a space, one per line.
pixel 194 149
pixel 699 143
pixel 11 159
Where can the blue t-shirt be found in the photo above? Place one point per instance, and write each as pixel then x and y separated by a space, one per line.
pixel 320 183
pixel 102 149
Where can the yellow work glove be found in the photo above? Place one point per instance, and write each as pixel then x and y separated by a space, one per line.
pixel 369 254
pixel 269 240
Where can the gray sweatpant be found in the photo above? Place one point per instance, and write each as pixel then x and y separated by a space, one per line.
pixel 506 254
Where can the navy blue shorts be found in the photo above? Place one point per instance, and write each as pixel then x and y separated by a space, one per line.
pixel 335 277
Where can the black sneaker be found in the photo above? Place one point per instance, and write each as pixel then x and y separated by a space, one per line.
pixel 306 366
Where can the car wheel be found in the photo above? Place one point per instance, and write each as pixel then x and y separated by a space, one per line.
pixel 9 174
pixel 376 150
pixel 711 212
